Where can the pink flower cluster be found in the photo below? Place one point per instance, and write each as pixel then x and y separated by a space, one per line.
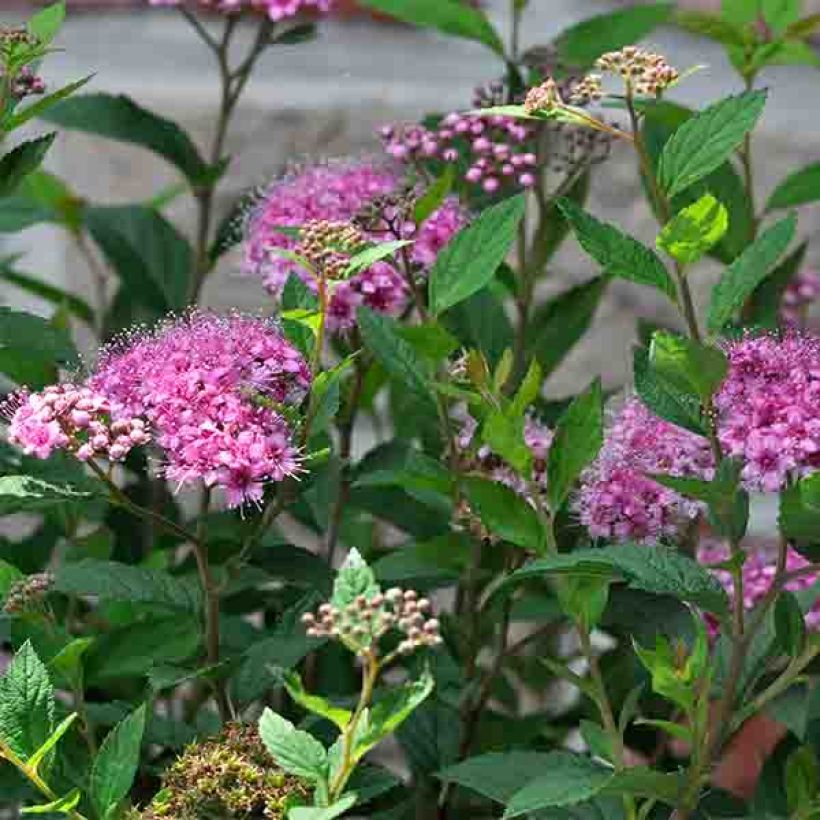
pixel 338 192
pixel 212 387
pixel 275 9
pixel 618 500
pixel 77 419
pixel 800 294
pixel 769 408
pixel 499 151
pixel 758 571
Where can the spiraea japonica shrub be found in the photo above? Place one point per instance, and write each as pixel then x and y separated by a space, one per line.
pixel 347 555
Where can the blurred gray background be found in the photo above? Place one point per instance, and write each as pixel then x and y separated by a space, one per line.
pixel 326 98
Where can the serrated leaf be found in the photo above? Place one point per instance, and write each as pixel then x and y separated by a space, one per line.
pixel 470 260
pixel 695 368
pixel 330 813
pixel 798 188
pixel 578 438
pixel 741 278
pixel 315 703
pixel 617 253
pixel 21 161
pixel 116 763
pixel 706 140
pixel 26 704
pixel 658 570
pixel 504 513
pixel 297 752
pixel 353 579
pixel 448 16
pixel 120 118
pixel 694 230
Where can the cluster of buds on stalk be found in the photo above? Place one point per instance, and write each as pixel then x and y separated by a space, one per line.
pixel 328 246
pixel 361 624
pixel 19 46
pixel 72 418
pixel 26 84
pixel 28 594
pixel 644 72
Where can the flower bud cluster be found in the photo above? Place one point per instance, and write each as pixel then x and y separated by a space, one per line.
pixel 76 419
pixel 14 37
pixel 543 98
pixel 360 624
pixel 644 71
pixel 26 84
pixel 28 593
pixel 328 246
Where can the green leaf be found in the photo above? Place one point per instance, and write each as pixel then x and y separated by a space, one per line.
pixel 40 755
pixel 472 257
pixel 663 398
pixel 354 578
pixel 26 704
pixel 711 26
pixel 789 624
pixel 330 813
pixel 63 805
pixel 739 12
pixel 21 116
pixel 448 16
pixel 370 256
pixel 780 14
pixel 47 22
pixel 120 118
pixel 113 581
pixel 391 710
pixel 694 230
pixel 480 322
pixel 434 196
pixel 9 575
pixel 326 395
pixel 741 278
pixel 706 140
pixel 693 368
pixel 560 323
pixel 764 304
pixel 581 44
pixel 297 752
pixel 618 254
pixel 802 781
pixel 568 779
pixel 315 703
pixel 67 665
pixel 382 338
pixel 797 189
pixel 659 570
pixel 504 513
pixel 21 161
pixel 116 764
pixel 56 296
pixel 504 433
pixel 578 438
pixel 152 259
pixel 799 518
pixel 22 493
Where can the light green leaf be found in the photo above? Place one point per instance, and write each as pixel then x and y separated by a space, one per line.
pixel 694 368
pixel 315 703
pixel 797 189
pixel 326 395
pixel 297 752
pixel 448 16
pixel 20 116
pixel 780 14
pixel 739 12
pixel 693 231
pixel 659 570
pixel 67 664
pixel 617 253
pixel 578 438
pixel 116 763
pixel 120 118
pixel 706 140
pixel 22 493
pixel 504 513
pixel 9 575
pixel 504 433
pixel 434 196
pixel 40 755
pixel 353 579
pixel 26 704
pixel 472 257
pixel 370 256
pixel 63 805
pixel 330 813
pixel 21 161
pixel 47 22
pixel 741 278
pixel 711 26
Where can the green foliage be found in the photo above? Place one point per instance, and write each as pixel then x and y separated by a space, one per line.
pixel 21 161
pixel 504 513
pixel 297 752
pixel 798 188
pixel 694 230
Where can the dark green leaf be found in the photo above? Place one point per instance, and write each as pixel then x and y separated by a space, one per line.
pixel 297 752
pixel 789 624
pixel 56 296
pixel 707 139
pixel 763 307
pixel 504 513
pixel 711 26
pixel 120 118
pixel 472 257
pixel 690 367
pixel 741 278
pixel 24 493
pixel 617 253
pixel 21 161
pixel 798 188
pixel 22 115
pixel 480 322
pixel 578 438
pixel 449 16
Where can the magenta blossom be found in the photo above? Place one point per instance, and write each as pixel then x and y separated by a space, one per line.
pixel 211 387
pixel 769 408
pixel 802 292
pixel 758 572
pixel 338 192
pixel 77 419
pixel 618 500
pixel 275 9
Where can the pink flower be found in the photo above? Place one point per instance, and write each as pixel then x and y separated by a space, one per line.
pixel 618 500
pixel 802 292
pixel 338 192
pixel 212 387
pixel 77 419
pixel 275 9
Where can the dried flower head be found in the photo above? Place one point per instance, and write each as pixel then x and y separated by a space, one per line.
pixel 644 72
pixel 328 246
pixel 230 777
pixel 28 593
